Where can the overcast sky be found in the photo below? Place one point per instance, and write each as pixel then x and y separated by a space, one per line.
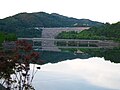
pixel 97 10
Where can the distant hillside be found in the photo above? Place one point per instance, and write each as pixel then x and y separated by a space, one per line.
pixel 111 31
pixel 23 24
pixel 106 31
pixel 42 19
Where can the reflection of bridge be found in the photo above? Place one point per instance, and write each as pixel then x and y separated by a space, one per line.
pixel 78 43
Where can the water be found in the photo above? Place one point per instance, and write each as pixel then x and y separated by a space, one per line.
pixel 97 70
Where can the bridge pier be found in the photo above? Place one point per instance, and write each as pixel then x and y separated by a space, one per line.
pixel 88 44
pixel 67 42
pixel 78 43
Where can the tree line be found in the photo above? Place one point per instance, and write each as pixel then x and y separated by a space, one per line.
pixel 104 32
pixel 7 37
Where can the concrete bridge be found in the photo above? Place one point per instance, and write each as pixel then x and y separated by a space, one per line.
pixel 47 45
pixel 53 39
pixel 53 32
pixel 48 41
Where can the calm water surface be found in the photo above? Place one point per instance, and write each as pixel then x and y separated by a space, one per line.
pixel 78 74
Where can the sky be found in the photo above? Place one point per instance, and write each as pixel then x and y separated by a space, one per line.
pixel 78 74
pixel 96 10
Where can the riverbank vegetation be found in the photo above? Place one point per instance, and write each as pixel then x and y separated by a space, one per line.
pixel 7 37
pixel 104 32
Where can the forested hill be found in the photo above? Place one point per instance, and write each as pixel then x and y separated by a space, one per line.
pixel 111 31
pixel 106 31
pixel 42 19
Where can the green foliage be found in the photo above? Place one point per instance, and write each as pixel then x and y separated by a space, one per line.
pixel 10 37
pixel 105 32
pixel 24 32
pixel 2 37
pixel 67 35
pixel 110 31
pixel 79 35
pixel 28 32
pixel 7 37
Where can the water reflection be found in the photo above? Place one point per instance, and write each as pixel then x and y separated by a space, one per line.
pixel 79 74
pixel 92 70
pixel 112 55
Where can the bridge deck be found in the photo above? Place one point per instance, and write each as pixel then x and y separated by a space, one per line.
pixel 52 39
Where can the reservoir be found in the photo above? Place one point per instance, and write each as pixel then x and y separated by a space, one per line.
pixel 88 70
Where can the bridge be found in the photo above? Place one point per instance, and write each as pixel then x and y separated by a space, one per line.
pixel 53 39
pixel 51 44
pixel 52 33
pixel 48 41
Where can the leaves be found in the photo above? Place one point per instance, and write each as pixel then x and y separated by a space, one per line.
pixel 17 62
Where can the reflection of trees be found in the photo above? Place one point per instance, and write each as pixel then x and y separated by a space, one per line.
pixel 15 66
pixel 109 54
pixel 54 57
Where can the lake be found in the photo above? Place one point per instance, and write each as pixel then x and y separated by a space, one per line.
pixel 90 69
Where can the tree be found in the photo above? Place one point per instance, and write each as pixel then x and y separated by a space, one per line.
pixel 15 66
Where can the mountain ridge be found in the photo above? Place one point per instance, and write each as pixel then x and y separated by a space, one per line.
pixel 43 19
